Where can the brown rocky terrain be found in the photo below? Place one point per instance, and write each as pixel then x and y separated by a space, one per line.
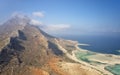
pixel 27 50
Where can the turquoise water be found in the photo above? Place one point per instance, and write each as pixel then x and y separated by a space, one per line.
pixel 115 69
pixel 100 44
pixel 83 56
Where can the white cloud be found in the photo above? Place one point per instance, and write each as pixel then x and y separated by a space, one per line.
pixel 38 14
pixel 35 22
pixel 57 27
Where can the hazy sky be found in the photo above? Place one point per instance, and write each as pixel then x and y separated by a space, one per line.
pixel 68 17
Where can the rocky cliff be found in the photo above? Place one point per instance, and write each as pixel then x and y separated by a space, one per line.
pixel 27 50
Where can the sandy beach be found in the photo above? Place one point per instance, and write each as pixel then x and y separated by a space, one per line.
pixel 98 61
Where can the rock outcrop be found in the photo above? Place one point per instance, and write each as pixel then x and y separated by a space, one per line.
pixel 27 50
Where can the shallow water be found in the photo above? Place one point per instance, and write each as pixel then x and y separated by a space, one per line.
pixel 115 69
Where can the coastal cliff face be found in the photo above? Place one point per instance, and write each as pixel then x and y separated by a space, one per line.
pixel 27 50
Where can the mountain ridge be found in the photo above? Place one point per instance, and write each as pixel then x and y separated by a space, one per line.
pixel 27 50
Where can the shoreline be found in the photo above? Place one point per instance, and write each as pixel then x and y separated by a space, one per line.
pixel 95 57
pixel 81 44
pixel 101 57
pixel 73 57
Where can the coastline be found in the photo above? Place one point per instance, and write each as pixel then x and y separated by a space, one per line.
pixel 108 59
pixel 81 44
pixel 72 56
pixel 98 61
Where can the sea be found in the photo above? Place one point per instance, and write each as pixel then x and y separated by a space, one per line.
pixel 98 43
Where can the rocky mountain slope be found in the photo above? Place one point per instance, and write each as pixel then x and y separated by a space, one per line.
pixel 27 50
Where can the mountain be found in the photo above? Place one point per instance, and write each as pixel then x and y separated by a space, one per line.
pixel 27 50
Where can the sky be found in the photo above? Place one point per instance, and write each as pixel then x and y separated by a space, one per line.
pixel 68 17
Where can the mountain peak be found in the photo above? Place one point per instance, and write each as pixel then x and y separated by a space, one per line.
pixel 13 24
pixel 20 16
pixel 18 19
pixel 27 50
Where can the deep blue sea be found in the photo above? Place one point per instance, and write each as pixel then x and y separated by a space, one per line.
pixel 101 44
